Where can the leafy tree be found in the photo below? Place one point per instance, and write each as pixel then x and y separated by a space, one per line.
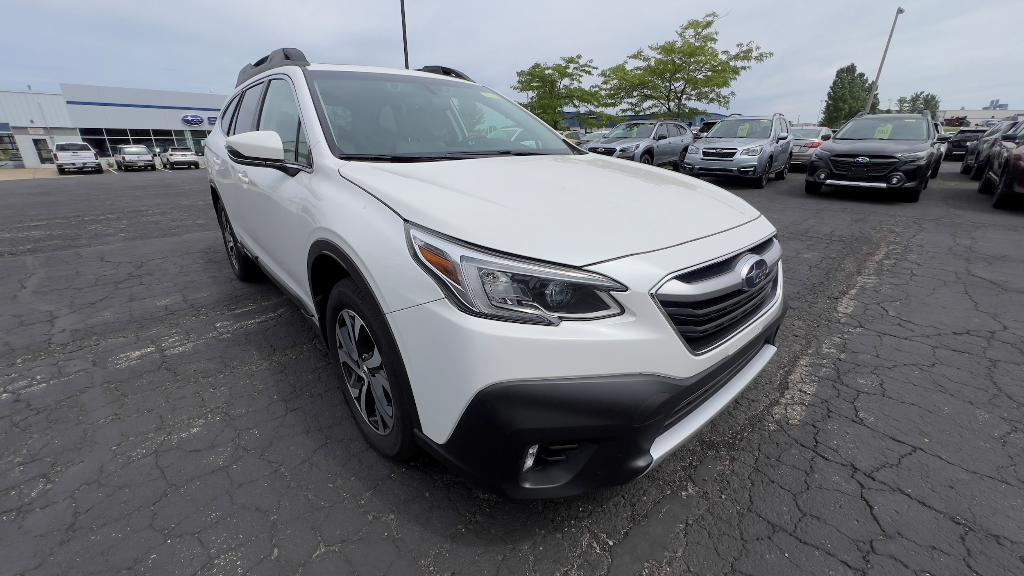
pixel 847 96
pixel 918 102
pixel 672 77
pixel 552 88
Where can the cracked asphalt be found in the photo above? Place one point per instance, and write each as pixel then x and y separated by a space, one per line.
pixel 159 417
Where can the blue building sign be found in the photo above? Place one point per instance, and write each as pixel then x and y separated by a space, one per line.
pixel 192 120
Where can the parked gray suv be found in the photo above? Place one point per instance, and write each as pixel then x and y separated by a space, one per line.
pixel 647 142
pixel 753 147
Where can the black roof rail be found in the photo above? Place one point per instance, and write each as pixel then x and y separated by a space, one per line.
pixel 276 59
pixel 446 71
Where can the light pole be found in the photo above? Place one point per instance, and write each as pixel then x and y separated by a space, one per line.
pixel 874 87
pixel 405 39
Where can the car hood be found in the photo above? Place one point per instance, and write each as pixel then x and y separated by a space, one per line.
pixel 875 147
pixel 740 143
pixel 574 210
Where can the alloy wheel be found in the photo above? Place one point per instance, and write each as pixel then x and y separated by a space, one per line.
pixel 230 242
pixel 646 159
pixel 363 370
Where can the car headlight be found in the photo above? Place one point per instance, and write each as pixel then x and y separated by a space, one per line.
pixel 752 151
pixel 913 156
pixel 506 288
pixel 692 151
pixel 819 153
pixel 629 149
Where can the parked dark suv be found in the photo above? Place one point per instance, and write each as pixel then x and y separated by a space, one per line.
pixel 976 159
pixel 958 144
pixel 885 151
pixel 1004 176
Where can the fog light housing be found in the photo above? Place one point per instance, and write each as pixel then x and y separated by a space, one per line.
pixel 895 179
pixel 821 175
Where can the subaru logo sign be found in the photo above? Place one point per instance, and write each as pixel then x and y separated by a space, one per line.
pixel 753 271
pixel 862 160
pixel 192 120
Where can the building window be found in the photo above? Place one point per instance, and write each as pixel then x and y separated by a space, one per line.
pixel 10 157
pixel 116 133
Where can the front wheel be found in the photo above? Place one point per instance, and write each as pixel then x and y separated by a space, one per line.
pixel 761 181
pixel 374 382
pixel 978 170
pixel 681 159
pixel 965 168
pixel 1001 197
pixel 912 194
pixel 812 187
pixel 242 265
pixel 647 158
pixel 935 169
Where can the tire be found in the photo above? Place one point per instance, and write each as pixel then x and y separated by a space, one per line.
pixel 812 187
pixel 911 195
pixel 935 170
pixel 761 181
pixel 1001 197
pixel 965 168
pixel 99 170
pixel 361 343
pixel 152 168
pixel 61 171
pixel 647 158
pixel 682 158
pixel 985 186
pixel 781 174
pixel 978 170
pixel 242 265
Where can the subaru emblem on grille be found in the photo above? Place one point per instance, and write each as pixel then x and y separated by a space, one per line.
pixel 862 160
pixel 753 272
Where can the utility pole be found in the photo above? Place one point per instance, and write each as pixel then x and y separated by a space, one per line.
pixel 405 38
pixel 874 87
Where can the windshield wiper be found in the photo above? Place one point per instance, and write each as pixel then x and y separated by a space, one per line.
pixel 395 157
pixel 484 153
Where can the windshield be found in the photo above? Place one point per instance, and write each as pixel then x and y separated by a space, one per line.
pixel 594 136
pixel 806 133
pixel 633 130
pixel 390 116
pixel 884 129
pixel 742 128
pixel 72 147
pixel 135 150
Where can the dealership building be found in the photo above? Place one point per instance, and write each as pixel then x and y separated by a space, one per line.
pixel 31 123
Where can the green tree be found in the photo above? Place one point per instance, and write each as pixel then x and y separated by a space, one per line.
pixel 847 96
pixel 918 102
pixel 674 77
pixel 553 88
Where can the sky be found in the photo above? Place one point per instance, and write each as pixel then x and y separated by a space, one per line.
pixel 949 47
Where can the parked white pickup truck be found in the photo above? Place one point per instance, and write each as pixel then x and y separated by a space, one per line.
pixel 70 156
pixel 179 156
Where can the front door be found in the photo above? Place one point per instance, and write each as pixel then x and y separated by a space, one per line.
pixel 43 150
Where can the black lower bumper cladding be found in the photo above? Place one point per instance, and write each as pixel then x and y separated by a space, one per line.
pixel 590 431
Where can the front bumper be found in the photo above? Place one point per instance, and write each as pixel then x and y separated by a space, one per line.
pixel 617 153
pixel 697 165
pixel 485 390
pixel 909 175
pixel 596 431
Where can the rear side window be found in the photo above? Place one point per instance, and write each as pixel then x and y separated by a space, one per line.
pixel 281 114
pixel 72 147
pixel 245 121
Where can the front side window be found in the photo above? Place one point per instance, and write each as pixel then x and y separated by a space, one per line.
pixel 281 114
pixel 392 115
pixel 245 120
pixel 885 129
pixel 661 132
pixel 742 128
pixel 632 130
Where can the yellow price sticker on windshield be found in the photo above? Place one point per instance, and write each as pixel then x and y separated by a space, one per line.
pixel 490 95
pixel 883 132
pixel 741 132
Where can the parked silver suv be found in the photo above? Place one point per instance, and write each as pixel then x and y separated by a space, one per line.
pixel 647 142
pixel 754 147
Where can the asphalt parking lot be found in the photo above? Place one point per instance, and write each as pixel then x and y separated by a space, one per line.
pixel 160 417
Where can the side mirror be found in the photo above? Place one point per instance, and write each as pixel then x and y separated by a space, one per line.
pixel 783 136
pixel 661 136
pixel 826 137
pixel 1009 137
pixel 944 137
pixel 263 145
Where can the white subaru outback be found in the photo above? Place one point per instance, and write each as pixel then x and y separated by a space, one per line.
pixel 541 319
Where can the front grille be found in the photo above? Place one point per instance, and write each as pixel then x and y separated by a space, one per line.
pixel 718 153
pixel 875 166
pixel 706 323
pixel 602 150
pixel 725 266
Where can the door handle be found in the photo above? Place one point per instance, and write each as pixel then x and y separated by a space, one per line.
pixel 243 177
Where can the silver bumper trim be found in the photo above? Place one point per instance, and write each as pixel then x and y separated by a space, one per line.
pixel 856 184
pixel 681 432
